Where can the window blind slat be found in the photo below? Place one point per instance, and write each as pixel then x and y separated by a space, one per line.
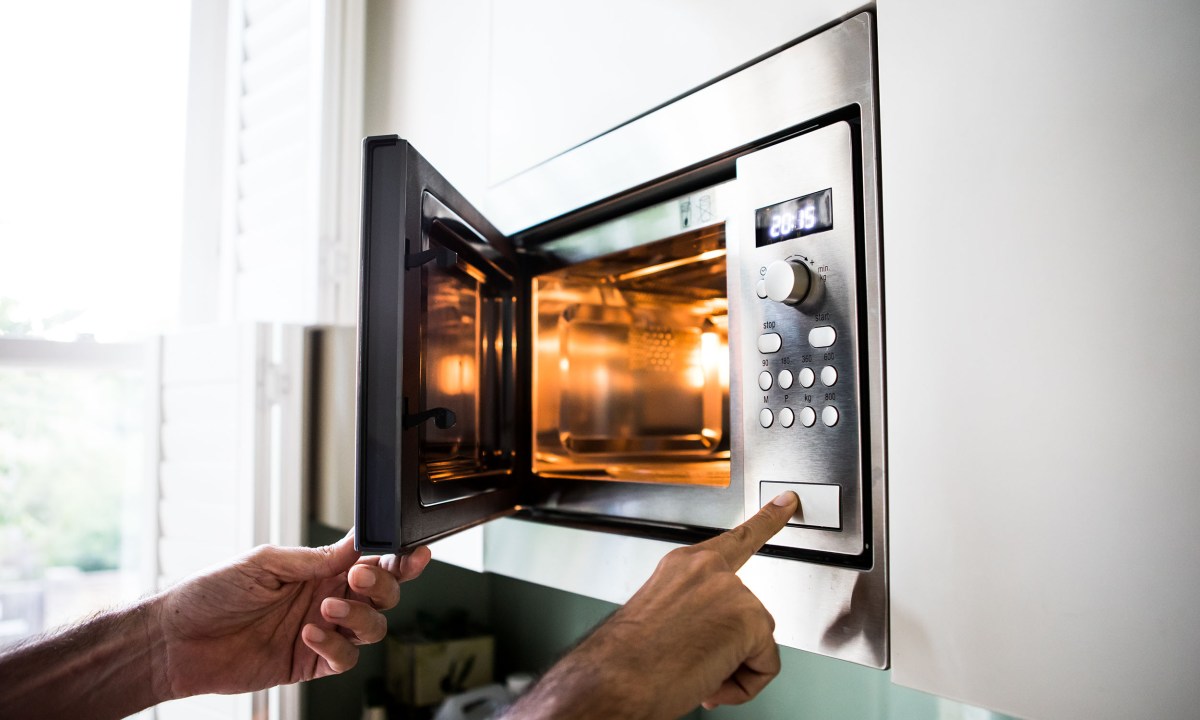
pixel 262 256
pixel 283 206
pixel 289 56
pixel 291 91
pixel 283 135
pixel 273 186
pixel 275 27
pixel 279 173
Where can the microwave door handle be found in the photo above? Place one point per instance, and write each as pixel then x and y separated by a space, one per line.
pixel 443 418
pixel 445 258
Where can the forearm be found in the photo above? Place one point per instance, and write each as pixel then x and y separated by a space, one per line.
pixel 598 680
pixel 104 667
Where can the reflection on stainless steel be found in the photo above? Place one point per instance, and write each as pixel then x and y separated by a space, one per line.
pixel 633 382
pixel 670 265
pixel 469 308
pixel 629 367
pixel 452 381
pixel 714 473
pixel 694 211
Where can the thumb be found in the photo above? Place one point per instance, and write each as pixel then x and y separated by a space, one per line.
pixel 302 563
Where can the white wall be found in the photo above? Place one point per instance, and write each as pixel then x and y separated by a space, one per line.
pixel 1041 165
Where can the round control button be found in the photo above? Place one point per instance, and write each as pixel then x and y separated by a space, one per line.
pixel 760 289
pixel 764 380
pixel 765 417
pixel 829 415
pixel 807 377
pixel 787 281
pixel 808 416
pixel 786 417
pixel 828 375
pixel 785 379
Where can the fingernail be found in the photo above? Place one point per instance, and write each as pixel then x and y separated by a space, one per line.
pixel 364 578
pixel 336 608
pixel 316 634
pixel 784 498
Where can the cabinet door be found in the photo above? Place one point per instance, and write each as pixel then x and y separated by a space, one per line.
pixel 1042 339
pixel 437 442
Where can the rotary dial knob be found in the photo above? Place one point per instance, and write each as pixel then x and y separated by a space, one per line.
pixel 788 282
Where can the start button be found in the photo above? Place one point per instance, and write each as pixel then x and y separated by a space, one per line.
pixel 820 503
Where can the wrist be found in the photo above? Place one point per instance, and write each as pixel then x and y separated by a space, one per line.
pixel 152 629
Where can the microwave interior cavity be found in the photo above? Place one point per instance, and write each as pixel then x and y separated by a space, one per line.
pixel 631 370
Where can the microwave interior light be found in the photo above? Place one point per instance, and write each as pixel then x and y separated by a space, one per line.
pixel 671 265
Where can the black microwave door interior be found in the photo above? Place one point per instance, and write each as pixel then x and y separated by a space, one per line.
pixel 439 448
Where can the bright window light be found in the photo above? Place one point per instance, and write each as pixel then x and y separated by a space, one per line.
pixel 91 156
pixel 91 177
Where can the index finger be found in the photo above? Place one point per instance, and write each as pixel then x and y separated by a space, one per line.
pixel 740 543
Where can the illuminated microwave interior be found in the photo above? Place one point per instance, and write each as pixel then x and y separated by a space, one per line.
pixel 631 365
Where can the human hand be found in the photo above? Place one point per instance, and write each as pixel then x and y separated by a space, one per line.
pixel 693 634
pixel 276 616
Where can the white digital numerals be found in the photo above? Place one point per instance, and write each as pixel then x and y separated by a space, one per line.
pixel 783 224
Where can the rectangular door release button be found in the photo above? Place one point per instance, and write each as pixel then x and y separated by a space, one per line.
pixel 820 503
pixel 769 342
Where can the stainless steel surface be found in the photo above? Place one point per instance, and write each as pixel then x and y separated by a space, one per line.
pixel 801 83
pixel 820 505
pixel 470 363
pixel 833 610
pixel 828 452
pixel 693 211
pixel 631 373
pixel 631 379
pixel 816 608
pixel 333 353
pixel 631 352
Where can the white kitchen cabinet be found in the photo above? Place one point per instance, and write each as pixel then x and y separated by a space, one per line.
pixel 486 90
pixel 1040 169
pixel 426 80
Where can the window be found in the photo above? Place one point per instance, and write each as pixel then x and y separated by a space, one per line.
pixel 90 221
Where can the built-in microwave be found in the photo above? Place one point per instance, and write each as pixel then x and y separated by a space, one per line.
pixel 680 319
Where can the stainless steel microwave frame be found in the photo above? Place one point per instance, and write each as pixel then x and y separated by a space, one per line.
pixel 760 190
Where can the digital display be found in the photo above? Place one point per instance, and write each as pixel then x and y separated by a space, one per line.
pixel 805 215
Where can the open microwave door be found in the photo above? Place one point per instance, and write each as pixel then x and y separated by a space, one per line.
pixel 438 442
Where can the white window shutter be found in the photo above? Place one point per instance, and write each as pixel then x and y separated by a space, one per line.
pixel 230 468
pixel 271 236
pixel 294 122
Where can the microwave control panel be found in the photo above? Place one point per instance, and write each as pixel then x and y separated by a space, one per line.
pixel 796 316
